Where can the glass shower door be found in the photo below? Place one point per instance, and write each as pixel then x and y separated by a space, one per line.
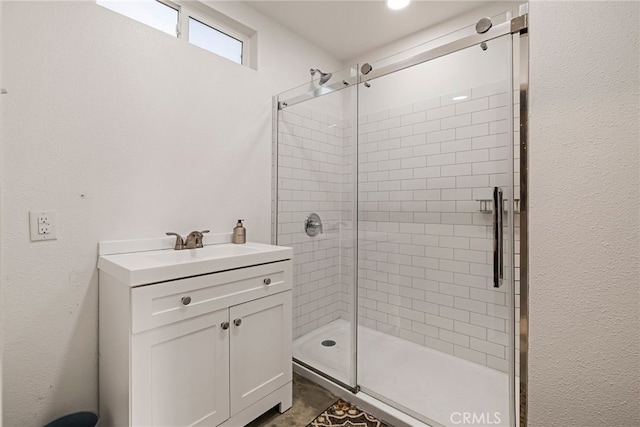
pixel 435 238
pixel 315 215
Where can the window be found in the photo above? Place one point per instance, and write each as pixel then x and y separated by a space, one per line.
pixel 153 13
pixel 215 41
pixel 195 23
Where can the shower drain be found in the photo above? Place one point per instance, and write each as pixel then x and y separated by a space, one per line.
pixel 328 343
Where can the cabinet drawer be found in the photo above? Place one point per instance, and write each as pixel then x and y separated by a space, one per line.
pixel 164 303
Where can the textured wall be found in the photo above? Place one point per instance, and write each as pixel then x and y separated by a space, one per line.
pixel 157 135
pixel 584 214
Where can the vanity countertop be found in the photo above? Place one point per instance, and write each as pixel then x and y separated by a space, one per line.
pixel 145 267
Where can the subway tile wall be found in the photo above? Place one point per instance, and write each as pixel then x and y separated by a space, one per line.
pixel 425 251
pixel 311 162
pixel 348 279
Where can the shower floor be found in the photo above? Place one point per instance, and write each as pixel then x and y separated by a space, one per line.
pixel 436 385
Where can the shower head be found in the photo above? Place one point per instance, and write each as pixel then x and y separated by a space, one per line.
pixel 324 77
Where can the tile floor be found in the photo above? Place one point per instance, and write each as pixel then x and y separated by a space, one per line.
pixel 309 400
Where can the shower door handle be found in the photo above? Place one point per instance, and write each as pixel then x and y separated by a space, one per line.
pixel 498 257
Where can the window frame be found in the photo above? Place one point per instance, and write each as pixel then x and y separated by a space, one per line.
pixel 178 8
pixel 166 3
pixel 212 18
pixel 216 25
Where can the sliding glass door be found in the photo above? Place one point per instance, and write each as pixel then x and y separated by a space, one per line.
pixel 435 237
pixel 395 188
pixel 315 215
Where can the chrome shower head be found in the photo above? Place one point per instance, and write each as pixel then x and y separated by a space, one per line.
pixel 324 77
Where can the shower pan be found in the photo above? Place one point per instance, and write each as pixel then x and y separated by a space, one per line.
pixel 411 292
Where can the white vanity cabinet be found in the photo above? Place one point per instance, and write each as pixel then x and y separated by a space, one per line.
pixel 208 350
pixel 180 373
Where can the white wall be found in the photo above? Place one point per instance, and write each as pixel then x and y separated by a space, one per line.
pixel 584 214
pixel 283 56
pixel 127 133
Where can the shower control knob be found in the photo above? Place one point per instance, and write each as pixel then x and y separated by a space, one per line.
pixel 237 322
pixel 224 325
pixel 267 281
pixel 313 224
pixel 186 300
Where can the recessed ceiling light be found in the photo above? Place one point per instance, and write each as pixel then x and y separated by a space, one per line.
pixel 397 4
pixel 459 98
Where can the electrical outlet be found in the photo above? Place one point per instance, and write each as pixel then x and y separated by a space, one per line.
pixel 42 225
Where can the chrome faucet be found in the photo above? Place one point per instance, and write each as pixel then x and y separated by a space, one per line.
pixel 193 241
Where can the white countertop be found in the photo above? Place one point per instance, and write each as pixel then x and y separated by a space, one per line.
pixel 140 268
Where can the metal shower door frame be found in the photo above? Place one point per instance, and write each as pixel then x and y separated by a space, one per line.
pixel 521 37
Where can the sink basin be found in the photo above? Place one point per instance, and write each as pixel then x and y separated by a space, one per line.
pixel 140 268
pixel 208 252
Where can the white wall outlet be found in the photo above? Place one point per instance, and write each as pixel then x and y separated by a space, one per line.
pixel 42 225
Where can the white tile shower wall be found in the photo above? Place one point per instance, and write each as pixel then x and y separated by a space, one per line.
pixel 348 279
pixel 310 158
pixel 425 250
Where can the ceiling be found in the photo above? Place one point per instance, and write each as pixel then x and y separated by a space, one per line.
pixel 347 29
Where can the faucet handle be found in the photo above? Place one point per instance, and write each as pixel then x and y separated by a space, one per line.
pixel 179 241
pixel 199 237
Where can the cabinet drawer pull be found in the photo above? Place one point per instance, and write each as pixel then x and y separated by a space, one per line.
pixel 225 325
pixel 186 300
pixel 267 281
pixel 237 322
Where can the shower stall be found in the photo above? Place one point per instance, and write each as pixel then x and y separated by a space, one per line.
pixel 398 185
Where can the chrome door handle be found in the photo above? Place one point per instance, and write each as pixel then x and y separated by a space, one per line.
pixel 186 300
pixel 498 256
pixel 237 322
pixel 224 325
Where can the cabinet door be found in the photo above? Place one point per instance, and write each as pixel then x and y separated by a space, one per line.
pixel 260 349
pixel 180 373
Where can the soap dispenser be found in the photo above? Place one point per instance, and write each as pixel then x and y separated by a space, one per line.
pixel 239 233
